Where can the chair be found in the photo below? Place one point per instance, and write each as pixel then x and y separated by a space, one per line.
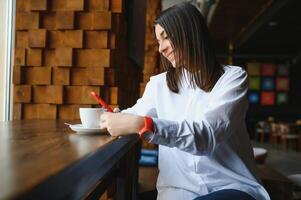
pixel 262 130
pixel 275 133
pixel 260 155
pixel 288 135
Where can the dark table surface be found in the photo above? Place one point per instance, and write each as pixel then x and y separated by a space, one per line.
pixel 45 159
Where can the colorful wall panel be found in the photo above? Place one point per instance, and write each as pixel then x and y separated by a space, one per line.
pixel 254 83
pixel 282 98
pixel 267 98
pixel 267 69
pixel 254 97
pixel 268 83
pixel 282 84
pixel 253 69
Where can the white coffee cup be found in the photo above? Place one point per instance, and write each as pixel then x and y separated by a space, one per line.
pixel 90 117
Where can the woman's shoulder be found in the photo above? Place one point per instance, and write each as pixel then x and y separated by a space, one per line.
pixel 233 75
pixel 158 77
pixel 234 72
pixel 232 69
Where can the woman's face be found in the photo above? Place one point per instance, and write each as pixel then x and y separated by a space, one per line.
pixel 165 47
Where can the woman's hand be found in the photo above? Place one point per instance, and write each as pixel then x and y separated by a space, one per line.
pixel 120 123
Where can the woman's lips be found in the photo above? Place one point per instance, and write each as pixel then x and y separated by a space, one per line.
pixel 169 56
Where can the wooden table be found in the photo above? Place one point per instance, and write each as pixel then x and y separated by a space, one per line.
pixel 44 159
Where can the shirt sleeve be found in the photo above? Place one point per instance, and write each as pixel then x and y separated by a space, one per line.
pixel 145 106
pixel 225 113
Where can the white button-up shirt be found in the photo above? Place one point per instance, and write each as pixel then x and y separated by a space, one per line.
pixel 203 142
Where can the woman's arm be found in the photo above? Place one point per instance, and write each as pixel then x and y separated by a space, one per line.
pixel 226 110
pixel 131 120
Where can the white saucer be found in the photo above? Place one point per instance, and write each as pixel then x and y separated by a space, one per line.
pixel 81 130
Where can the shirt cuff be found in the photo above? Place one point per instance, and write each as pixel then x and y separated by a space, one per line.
pixel 164 131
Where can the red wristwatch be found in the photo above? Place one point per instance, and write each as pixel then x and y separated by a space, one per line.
pixel 148 126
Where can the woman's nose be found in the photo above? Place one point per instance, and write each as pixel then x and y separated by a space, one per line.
pixel 162 47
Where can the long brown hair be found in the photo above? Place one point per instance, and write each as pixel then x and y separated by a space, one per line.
pixel 192 46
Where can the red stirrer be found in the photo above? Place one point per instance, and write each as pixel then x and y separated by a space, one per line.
pixel 101 102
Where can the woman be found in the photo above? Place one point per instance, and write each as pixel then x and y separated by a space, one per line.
pixel 195 111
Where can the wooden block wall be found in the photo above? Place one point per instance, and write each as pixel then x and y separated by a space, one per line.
pixel 151 58
pixel 64 49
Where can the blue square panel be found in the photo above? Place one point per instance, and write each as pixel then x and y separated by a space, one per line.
pixel 267 83
pixel 253 97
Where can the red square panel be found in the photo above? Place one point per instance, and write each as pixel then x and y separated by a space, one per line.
pixel 268 69
pixel 267 98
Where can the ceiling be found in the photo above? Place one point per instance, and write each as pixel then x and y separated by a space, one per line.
pixel 257 27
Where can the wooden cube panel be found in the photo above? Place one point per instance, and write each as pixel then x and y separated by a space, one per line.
pixel 38 5
pixel 60 76
pixel 96 39
pixel 19 57
pixel 49 57
pixel 37 75
pixel 27 20
pixel 39 111
pixel 64 20
pixel 34 57
pixel 87 76
pixel 17 111
pixel 102 20
pixel 55 39
pixel 94 21
pixel 22 5
pixel 95 76
pixel 117 6
pixel 79 76
pixel 73 39
pixel 57 5
pixel 22 93
pixel 80 94
pixel 97 5
pixel 93 57
pixel 112 40
pixel 18 77
pixel 37 38
pixel 75 5
pixel 70 112
pixel 66 39
pixel 21 39
pixel 52 94
pixel 84 21
pixel 48 21
pixel 113 95
pixel 63 56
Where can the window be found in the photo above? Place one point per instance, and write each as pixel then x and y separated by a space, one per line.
pixel 6 44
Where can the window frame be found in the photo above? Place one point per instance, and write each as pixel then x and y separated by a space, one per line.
pixel 7 9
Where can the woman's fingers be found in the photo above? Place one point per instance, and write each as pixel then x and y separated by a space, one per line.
pixel 104 119
pixel 116 110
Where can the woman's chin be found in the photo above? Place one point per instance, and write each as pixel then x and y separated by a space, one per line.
pixel 173 63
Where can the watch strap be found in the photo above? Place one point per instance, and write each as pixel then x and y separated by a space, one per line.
pixel 148 126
